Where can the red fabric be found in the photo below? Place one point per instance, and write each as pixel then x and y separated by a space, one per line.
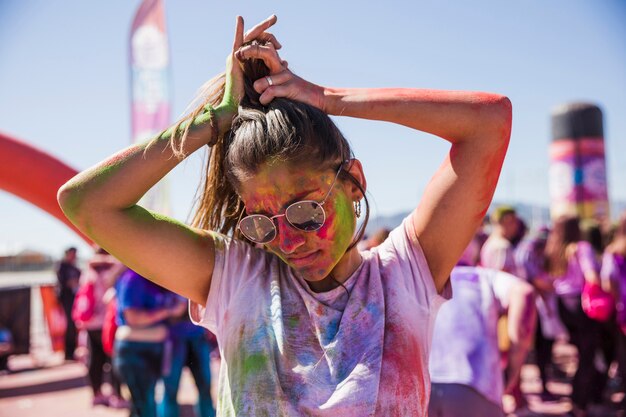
pixel 109 327
pixel 84 303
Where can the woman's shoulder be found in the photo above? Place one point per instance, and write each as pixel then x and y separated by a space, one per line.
pixel 582 248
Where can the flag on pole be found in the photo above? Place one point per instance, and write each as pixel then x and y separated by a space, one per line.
pixel 150 87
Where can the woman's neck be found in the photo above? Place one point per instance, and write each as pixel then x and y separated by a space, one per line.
pixel 344 269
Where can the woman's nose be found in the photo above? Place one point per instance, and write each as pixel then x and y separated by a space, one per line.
pixel 289 238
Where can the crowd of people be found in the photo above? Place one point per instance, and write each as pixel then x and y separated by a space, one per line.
pixel 515 292
pixel 137 333
pixel 307 321
pixel 577 275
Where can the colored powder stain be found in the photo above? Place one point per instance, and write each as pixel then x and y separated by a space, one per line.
pixel 330 331
pixel 259 336
pixel 293 322
pixel 141 214
pixel 253 363
pixel 218 241
pixel 71 205
pixel 343 222
pixel 306 358
pixel 98 175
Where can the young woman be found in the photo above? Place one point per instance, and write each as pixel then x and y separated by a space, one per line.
pixel 144 311
pixel 613 276
pixel 570 262
pixel 101 272
pixel 307 324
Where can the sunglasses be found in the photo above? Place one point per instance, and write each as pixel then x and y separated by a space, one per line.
pixel 306 215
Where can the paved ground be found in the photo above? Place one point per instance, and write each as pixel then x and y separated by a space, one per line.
pixel 43 385
pixel 59 389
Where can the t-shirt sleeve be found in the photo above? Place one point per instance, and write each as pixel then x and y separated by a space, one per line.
pixel 502 283
pixel 497 256
pixel 586 257
pixel 609 271
pixel 403 254
pixel 493 257
pixel 236 263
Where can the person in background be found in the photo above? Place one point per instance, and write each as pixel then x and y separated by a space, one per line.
pixel 608 332
pixel 570 262
pixel 613 275
pixel 497 251
pixel 68 276
pixel 464 361
pixel 376 239
pixel 530 262
pixel 140 353
pixel 190 347
pixel 522 230
pixel 101 273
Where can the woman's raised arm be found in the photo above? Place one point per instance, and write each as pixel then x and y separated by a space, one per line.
pixel 102 200
pixel 478 126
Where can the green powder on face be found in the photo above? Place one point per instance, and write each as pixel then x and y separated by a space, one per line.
pixel 344 219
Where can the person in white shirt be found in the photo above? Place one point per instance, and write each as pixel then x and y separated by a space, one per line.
pixel 306 323
pixel 465 366
pixel 497 251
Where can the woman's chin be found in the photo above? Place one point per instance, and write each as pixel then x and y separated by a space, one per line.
pixel 311 274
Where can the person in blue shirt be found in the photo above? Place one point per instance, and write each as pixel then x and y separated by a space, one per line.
pixel 143 309
pixel 190 347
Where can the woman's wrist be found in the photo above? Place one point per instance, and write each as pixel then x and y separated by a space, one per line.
pixel 329 100
pixel 224 114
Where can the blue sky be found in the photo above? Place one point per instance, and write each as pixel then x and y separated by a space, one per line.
pixel 64 82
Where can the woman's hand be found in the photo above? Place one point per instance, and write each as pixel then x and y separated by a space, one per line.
pixel 281 82
pixel 234 88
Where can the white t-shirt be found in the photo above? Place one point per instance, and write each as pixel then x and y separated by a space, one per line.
pixel 497 253
pixel 287 351
pixel 465 344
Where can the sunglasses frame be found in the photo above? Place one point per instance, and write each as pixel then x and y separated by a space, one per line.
pixel 272 218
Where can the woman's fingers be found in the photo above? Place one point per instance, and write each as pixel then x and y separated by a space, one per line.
pixel 233 90
pixel 266 37
pixel 265 52
pixel 262 84
pixel 256 31
pixel 274 91
pixel 239 37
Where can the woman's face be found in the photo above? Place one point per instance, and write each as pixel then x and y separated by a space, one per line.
pixel 313 254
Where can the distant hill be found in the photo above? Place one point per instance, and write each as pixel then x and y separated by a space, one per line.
pixel 534 215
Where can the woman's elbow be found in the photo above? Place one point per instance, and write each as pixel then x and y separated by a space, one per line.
pixel 501 117
pixel 68 197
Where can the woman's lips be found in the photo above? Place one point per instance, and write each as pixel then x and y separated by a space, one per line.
pixel 302 260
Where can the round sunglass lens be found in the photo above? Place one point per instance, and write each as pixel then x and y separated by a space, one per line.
pixel 306 215
pixel 258 228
